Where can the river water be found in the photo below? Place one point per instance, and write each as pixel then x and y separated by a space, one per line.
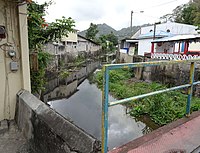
pixel 84 108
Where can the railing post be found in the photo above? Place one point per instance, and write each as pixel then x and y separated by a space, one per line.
pixel 190 89
pixel 104 121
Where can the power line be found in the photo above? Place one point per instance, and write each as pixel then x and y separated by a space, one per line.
pixel 166 3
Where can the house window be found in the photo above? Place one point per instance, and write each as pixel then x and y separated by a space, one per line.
pixel 69 43
pixel 63 43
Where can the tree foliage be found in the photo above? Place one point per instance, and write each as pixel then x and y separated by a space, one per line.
pixel 108 42
pixel 188 13
pixel 41 32
pixel 92 32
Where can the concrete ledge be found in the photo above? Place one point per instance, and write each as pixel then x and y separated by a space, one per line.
pixel 48 131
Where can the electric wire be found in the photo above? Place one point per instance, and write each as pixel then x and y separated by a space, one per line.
pixel 162 4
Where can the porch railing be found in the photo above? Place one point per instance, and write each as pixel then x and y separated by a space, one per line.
pixel 105 95
pixel 166 56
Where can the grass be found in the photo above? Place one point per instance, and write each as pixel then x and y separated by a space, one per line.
pixel 162 108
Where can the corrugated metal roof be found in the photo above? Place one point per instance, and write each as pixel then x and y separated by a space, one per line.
pixel 157 34
pixel 177 38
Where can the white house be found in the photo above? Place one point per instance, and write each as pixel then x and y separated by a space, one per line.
pixel 176 47
pixel 146 34
pixel 14 55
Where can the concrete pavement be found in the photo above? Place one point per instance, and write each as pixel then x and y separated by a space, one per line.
pixel 11 139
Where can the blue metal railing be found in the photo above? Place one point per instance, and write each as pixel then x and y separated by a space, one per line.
pixel 105 95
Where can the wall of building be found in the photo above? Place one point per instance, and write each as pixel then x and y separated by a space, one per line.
pixel 15 21
pixel 144 46
pixel 194 46
pixel 175 28
pixel 82 46
pixel 86 45
pixel 72 37
pixel 167 47
pixel 49 132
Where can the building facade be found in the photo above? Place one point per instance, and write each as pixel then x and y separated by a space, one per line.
pixel 14 55
pixel 87 45
pixel 146 34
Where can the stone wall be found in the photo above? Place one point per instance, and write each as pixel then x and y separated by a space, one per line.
pixel 176 74
pixel 49 132
pixel 125 58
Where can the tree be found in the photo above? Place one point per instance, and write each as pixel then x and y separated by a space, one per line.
pixel 39 32
pixel 108 42
pixel 91 32
pixel 112 38
pixel 188 13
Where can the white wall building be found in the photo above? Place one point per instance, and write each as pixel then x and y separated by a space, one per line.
pixel 146 34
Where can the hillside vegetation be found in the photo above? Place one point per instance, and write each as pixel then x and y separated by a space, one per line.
pixel 105 29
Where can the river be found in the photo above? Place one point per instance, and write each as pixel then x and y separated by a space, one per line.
pixel 84 108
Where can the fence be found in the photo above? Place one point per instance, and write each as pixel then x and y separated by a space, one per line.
pixel 106 103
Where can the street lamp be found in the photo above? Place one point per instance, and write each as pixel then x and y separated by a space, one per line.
pixel 132 19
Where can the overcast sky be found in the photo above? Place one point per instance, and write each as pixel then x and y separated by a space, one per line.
pixel 116 13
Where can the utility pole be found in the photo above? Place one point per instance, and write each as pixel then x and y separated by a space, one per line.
pixel 132 19
pixel 154 30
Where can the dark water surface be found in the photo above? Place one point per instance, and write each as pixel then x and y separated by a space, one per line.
pixel 84 108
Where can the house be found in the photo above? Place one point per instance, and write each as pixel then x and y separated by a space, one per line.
pixel 14 55
pixel 66 45
pixel 129 46
pixel 72 44
pixel 176 47
pixel 143 37
pixel 87 45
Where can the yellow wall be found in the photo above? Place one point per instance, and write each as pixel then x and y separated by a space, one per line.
pixel 14 20
pixel 72 37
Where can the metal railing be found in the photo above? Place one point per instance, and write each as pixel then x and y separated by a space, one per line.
pixel 105 95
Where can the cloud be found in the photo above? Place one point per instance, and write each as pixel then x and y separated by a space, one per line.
pixel 115 13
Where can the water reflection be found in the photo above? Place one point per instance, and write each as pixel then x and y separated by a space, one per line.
pixel 84 108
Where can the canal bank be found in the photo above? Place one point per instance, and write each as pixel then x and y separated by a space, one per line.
pixel 84 108
pixel 58 88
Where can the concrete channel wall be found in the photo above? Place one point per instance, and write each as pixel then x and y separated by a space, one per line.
pixel 57 88
pixel 49 132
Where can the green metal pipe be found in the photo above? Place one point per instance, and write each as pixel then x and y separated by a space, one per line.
pixel 148 94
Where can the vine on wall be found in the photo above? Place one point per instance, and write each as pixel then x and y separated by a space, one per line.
pixel 39 33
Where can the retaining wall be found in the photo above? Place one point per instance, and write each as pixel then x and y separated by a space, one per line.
pixel 62 91
pixel 62 88
pixel 49 132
